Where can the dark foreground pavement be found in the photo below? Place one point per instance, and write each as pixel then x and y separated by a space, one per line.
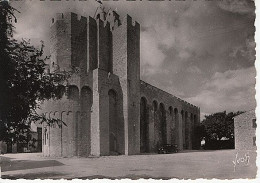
pixel 222 164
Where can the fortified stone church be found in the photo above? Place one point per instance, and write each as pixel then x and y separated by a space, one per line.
pixel 108 110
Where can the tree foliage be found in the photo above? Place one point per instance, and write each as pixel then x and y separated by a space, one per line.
pixel 23 81
pixel 218 126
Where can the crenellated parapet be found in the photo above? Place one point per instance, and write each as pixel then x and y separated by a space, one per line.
pixel 93 43
pixel 154 89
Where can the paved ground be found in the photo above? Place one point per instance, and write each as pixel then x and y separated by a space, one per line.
pixel 187 165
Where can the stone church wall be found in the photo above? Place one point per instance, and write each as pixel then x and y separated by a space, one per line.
pixel 180 118
pixel 106 108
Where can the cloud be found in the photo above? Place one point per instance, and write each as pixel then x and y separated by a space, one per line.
pixel 232 90
pixel 35 17
pixel 247 50
pixel 154 40
pixel 237 6
pixel 232 79
pixel 194 69
pixel 151 56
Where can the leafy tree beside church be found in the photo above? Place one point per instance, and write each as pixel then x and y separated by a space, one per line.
pixel 218 130
pixel 23 81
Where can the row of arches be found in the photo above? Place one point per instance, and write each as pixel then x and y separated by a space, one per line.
pixel 161 121
pixel 74 137
pixel 60 141
pixel 72 91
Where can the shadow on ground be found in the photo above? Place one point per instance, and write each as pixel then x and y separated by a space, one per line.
pixel 27 164
pixel 43 175
pixel 190 165
pixel 129 176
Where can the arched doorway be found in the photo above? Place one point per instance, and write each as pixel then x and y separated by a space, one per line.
pixel 191 139
pixel 144 126
pixel 183 129
pixel 196 140
pixel 84 121
pixel 113 123
pixel 186 131
pixel 177 126
pixel 172 125
pixel 156 124
pixel 163 130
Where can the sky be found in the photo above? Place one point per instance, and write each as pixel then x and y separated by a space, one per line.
pixel 201 51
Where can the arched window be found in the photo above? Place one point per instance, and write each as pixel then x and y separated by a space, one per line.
pixel 73 92
pixel 86 96
pixel 171 111
pixel 155 105
pixel 61 91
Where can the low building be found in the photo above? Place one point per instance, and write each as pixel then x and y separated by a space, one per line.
pixel 33 145
pixel 3 147
pixel 245 131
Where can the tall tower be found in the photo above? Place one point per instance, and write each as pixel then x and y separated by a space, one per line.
pixel 119 48
pixel 68 38
pixel 105 110
pixel 60 49
pixel 126 65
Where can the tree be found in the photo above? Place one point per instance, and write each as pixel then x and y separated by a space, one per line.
pixel 23 81
pixel 219 126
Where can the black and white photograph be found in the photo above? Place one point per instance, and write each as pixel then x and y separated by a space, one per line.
pixel 128 89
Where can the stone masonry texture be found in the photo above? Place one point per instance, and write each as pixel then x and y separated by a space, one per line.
pixel 107 109
pixel 245 131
